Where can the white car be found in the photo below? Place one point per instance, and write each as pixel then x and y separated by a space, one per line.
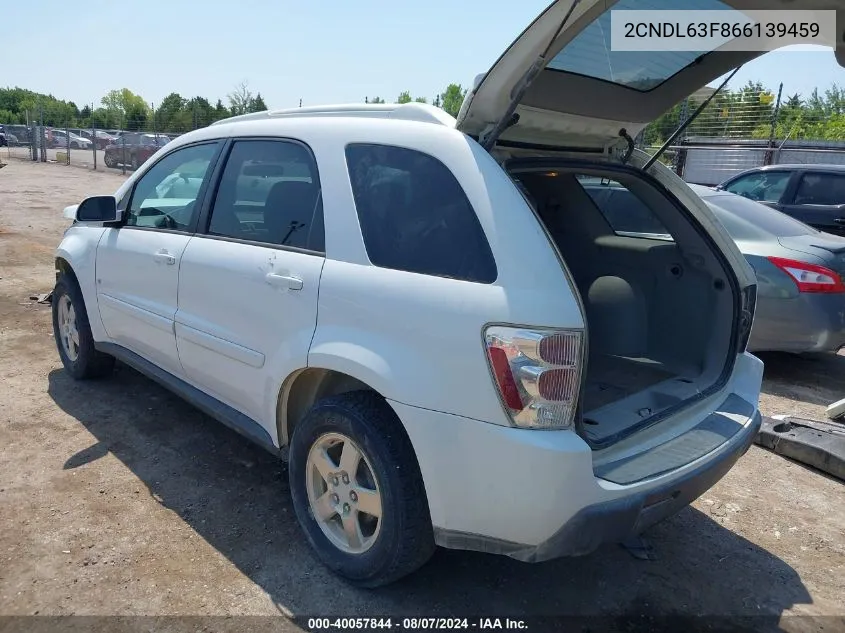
pixel 60 140
pixel 446 337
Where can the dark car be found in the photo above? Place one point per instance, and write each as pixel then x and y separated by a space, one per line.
pixel 813 194
pixel 133 148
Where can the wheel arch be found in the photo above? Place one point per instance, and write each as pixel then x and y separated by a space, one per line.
pixel 306 386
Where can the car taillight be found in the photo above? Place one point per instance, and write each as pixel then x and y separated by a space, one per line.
pixel 537 374
pixel 809 277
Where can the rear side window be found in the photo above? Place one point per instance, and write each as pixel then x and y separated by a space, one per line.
pixel 625 213
pixel 415 216
pixel 824 189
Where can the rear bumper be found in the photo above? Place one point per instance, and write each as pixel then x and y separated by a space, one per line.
pixel 535 495
pixel 617 520
pixel 806 323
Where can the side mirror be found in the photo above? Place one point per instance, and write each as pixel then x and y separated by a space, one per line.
pixel 97 209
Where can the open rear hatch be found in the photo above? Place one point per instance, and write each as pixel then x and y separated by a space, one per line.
pixel 567 87
pixel 668 302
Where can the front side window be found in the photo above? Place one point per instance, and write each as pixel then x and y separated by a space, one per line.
pixel 165 196
pixel 821 189
pixel 415 216
pixel 270 192
pixel 762 186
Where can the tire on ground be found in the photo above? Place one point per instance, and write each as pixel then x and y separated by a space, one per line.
pixel 405 539
pixel 89 363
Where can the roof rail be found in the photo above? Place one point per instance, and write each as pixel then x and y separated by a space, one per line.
pixel 422 112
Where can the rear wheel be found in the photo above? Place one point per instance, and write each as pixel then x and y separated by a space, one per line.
pixel 109 160
pixel 73 333
pixel 357 490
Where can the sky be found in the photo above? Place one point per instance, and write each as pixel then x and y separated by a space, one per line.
pixel 320 52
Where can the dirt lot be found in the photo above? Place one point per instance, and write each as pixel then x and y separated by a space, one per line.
pixel 117 498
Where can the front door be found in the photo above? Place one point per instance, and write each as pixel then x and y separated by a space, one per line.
pixel 138 263
pixel 248 287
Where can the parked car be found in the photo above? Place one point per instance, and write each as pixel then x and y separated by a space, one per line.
pixel 17 134
pixel 813 194
pixel 133 149
pixel 800 289
pixel 445 357
pixel 59 140
pixel 4 139
pixel 98 137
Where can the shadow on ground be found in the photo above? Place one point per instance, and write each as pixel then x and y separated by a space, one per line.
pixel 812 378
pixel 213 479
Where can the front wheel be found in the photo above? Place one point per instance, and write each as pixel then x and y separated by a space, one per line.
pixel 357 490
pixel 110 161
pixel 73 333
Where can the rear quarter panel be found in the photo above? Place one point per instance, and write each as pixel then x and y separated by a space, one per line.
pixel 417 339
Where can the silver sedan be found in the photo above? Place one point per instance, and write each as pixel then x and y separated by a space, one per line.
pixel 800 291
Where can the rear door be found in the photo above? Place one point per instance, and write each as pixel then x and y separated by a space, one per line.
pixel 248 283
pixel 819 200
pixel 138 262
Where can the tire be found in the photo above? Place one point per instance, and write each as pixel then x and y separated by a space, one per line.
pixel 134 162
pixel 80 360
pixel 74 145
pixel 402 539
pixel 110 161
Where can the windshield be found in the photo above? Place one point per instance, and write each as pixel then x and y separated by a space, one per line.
pixel 759 215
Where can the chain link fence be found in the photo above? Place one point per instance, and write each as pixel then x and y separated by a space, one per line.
pixel 747 127
pixel 121 148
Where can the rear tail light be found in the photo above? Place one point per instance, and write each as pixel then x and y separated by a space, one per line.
pixel 809 277
pixel 537 374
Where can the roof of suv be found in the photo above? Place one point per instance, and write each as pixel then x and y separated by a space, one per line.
pixel 405 111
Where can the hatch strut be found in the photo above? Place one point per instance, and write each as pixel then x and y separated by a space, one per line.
pixel 509 118
pixel 683 126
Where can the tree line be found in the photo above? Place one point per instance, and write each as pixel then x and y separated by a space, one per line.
pixel 750 112
pixel 746 112
pixel 123 109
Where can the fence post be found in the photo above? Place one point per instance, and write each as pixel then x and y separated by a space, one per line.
pixel 123 155
pixel 43 138
pixel 67 142
pixel 770 154
pixel 94 138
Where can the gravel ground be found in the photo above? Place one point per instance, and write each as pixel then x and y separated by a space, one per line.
pixel 117 498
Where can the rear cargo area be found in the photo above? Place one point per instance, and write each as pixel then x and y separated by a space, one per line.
pixel 658 302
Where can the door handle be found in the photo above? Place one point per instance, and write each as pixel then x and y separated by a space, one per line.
pixel 286 281
pixel 165 257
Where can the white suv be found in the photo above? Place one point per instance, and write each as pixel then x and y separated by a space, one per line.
pixel 448 327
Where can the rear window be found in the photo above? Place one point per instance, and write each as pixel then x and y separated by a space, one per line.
pixel 415 216
pixel 625 212
pixel 589 53
pixel 759 215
